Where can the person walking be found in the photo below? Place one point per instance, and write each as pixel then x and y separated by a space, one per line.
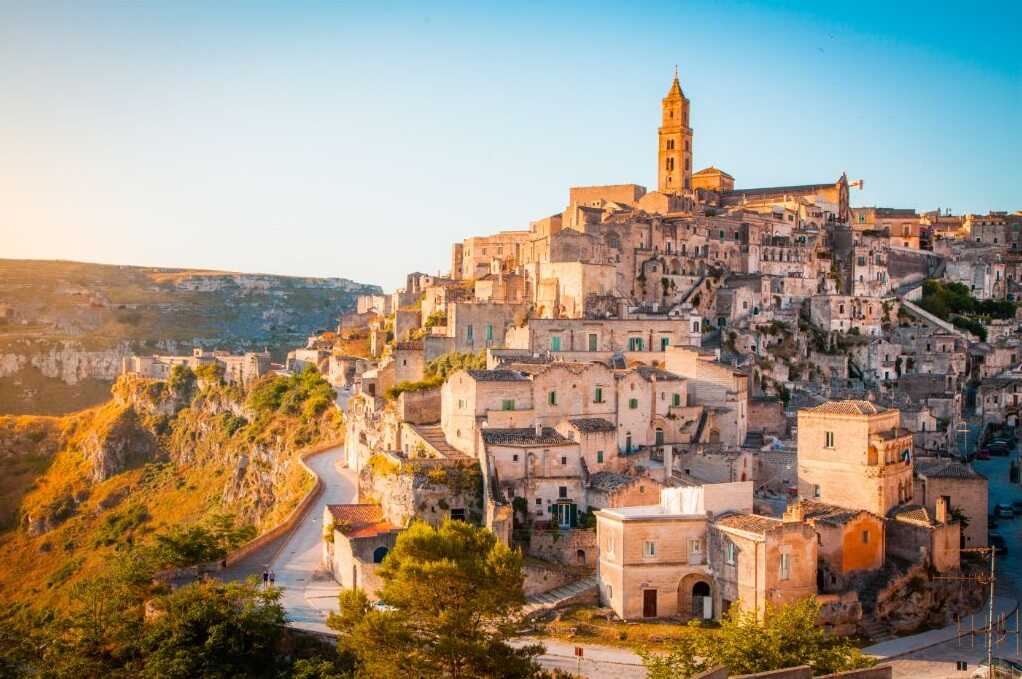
pixel 266 576
pixel 273 578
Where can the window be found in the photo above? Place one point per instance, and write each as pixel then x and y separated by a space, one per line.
pixel 599 456
pixel 676 400
pixel 592 341
pixel 665 342
pixel 489 332
pixel 648 549
pixel 562 491
pixel 539 501
pixel 507 404
pixel 633 403
pixel 865 537
pixel 816 490
pixel 785 566
pixel 659 436
pixel 729 553
pixel 828 439
pixel 514 458
pixel 552 398
pixel 564 460
pixel 598 395
pixel 458 514
pixel 461 403
pixel 555 343
pixel 635 344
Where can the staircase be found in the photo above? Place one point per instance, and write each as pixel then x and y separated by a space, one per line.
pixel 558 596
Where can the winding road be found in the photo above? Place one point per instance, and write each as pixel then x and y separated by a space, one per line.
pixel 309 590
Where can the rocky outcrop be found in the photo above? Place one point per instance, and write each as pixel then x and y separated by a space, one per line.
pixel 67 361
pixel 117 443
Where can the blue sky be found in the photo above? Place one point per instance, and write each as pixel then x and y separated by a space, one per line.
pixel 361 139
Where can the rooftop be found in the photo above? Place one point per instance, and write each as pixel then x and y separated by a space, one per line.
pixel 847 408
pixel 832 514
pixel 525 436
pixel 589 425
pixel 611 481
pixel 751 523
pixel 359 521
pixel 946 469
pixel 496 375
pixel 649 374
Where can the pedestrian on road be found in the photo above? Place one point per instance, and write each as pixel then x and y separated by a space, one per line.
pixel 273 578
pixel 266 576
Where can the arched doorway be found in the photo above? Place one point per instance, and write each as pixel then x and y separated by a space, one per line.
pixel 695 596
pixel 580 557
pixel 378 554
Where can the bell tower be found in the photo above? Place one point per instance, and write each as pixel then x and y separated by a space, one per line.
pixel 674 157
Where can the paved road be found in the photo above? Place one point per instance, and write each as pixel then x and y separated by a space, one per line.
pixel 309 590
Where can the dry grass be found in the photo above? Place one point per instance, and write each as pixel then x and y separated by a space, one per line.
pixel 585 624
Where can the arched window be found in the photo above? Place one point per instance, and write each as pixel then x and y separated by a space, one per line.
pixel 378 554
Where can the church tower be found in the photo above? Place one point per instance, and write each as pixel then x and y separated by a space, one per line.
pixel 674 158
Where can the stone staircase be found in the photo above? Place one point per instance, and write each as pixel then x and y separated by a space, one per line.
pixel 558 596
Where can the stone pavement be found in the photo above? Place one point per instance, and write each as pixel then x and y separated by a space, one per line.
pixel 558 595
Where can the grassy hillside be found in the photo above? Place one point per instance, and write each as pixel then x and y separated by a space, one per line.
pixel 65 325
pixel 158 456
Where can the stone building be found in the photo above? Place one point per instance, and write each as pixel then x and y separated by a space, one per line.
pixel 963 490
pixel 849 540
pixel 761 561
pixel 356 540
pixel 854 454
pixel 674 158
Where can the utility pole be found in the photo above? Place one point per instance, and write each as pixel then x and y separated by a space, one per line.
pixel 991 579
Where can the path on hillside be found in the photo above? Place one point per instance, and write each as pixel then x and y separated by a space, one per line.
pixel 309 590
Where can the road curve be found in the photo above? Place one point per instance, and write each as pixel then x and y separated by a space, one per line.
pixel 309 589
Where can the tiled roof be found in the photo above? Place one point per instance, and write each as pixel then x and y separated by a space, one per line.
pixel 410 345
pixel 497 375
pixel 752 523
pixel 525 436
pixel 820 511
pixel 592 424
pixel 359 521
pixel 950 469
pixel 648 373
pixel 773 190
pixel 848 408
pixel 610 481
pixel 913 514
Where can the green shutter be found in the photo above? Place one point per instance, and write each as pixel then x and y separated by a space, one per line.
pixel 573 518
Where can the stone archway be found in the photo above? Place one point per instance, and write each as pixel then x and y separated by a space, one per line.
pixel 691 591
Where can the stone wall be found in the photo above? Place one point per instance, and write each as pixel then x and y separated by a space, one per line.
pixel 576 547
pixel 419 407
pixel 767 416
pixel 543 577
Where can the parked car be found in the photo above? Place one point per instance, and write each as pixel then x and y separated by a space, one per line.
pixel 1003 669
pixel 982 454
pixel 1017 506
pixel 996 540
pixel 991 520
pixel 1004 511
pixel 1000 450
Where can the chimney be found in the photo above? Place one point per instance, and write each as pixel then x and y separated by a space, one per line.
pixel 795 513
pixel 943 510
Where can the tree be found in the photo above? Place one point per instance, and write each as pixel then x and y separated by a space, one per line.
pixel 188 546
pixel 214 630
pixel 452 599
pixel 789 636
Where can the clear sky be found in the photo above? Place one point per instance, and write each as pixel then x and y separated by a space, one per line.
pixel 360 139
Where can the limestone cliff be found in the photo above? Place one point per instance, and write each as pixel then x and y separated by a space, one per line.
pixel 158 454
pixel 65 326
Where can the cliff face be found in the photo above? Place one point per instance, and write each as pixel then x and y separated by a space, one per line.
pixel 65 326
pixel 158 454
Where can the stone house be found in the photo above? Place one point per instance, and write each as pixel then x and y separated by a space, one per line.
pixel 356 540
pixel 652 558
pixel 761 561
pixel 611 489
pixel 854 454
pixel 848 540
pixel 842 313
pixel 717 386
pixel 599 339
pixel 962 488
pixel 475 326
pixel 998 399
pixel 919 535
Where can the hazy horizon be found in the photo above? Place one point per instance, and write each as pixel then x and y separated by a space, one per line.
pixel 360 141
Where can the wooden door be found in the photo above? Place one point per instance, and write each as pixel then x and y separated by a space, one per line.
pixel 649 603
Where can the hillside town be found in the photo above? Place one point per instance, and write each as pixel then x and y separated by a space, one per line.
pixel 678 399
